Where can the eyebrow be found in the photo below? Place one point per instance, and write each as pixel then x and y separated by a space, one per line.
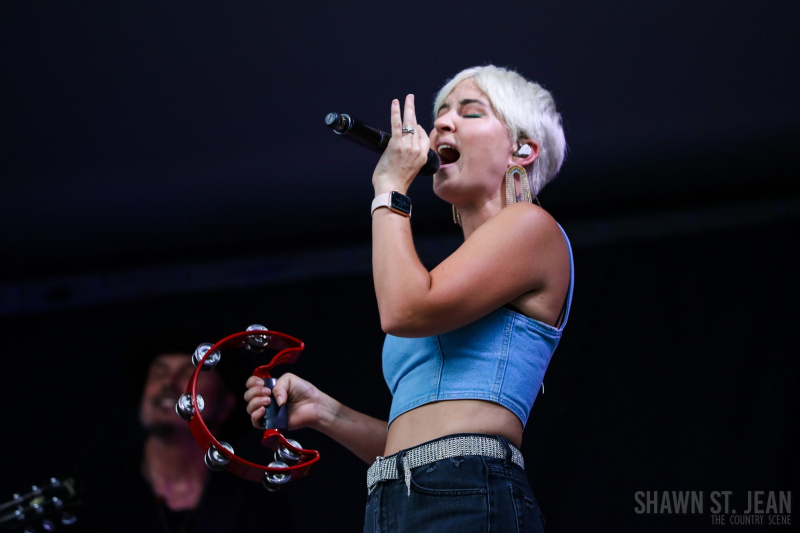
pixel 462 103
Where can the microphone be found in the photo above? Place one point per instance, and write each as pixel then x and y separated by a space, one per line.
pixel 372 138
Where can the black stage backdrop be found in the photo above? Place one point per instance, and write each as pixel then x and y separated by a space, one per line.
pixel 165 165
pixel 677 374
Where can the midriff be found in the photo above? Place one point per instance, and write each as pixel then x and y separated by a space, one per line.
pixel 439 419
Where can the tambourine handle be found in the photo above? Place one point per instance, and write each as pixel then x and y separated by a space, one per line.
pixel 275 417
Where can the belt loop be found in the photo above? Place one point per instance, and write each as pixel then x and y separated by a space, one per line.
pixel 398 461
pixel 507 447
pixel 403 471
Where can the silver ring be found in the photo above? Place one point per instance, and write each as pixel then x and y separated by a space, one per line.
pixel 408 129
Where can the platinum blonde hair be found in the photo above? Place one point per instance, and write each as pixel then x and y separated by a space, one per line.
pixel 528 111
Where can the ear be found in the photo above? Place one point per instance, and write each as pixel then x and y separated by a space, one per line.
pixel 527 152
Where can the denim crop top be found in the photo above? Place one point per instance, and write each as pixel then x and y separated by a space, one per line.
pixel 500 358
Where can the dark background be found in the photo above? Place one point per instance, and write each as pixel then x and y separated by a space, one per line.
pixel 167 164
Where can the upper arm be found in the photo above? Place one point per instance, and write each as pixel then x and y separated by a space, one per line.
pixel 520 250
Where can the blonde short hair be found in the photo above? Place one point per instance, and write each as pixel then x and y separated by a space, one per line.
pixel 528 111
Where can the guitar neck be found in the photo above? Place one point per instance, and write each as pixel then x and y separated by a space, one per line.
pixel 39 502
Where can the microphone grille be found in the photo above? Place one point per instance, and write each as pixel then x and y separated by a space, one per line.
pixel 339 122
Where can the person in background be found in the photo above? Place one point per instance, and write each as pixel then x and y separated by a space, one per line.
pixel 166 486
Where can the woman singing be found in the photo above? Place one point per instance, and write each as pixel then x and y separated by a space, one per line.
pixel 468 342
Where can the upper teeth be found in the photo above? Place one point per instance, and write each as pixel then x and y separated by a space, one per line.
pixel 444 147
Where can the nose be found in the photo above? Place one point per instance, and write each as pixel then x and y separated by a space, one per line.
pixel 444 123
pixel 177 381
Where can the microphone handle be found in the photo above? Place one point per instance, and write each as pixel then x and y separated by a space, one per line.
pixel 372 138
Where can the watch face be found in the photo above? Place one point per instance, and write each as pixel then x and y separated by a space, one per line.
pixel 400 202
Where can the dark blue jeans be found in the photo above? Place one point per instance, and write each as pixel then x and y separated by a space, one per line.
pixel 460 494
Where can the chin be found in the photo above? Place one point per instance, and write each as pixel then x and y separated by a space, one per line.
pixel 438 186
pixel 442 185
pixel 161 429
pixel 442 176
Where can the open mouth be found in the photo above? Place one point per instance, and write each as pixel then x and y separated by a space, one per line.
pixel 165 401
pixel 448 154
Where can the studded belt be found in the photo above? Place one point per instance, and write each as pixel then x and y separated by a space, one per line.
pixel 385 468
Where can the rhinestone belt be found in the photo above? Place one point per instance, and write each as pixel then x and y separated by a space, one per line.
pixel 385 468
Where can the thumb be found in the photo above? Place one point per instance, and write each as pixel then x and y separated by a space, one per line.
pixel 280 392
pixel 280 398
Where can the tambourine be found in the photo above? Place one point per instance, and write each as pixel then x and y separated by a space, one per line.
pixel 291 461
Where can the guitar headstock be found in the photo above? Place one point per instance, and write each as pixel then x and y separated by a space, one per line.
pixel 43 507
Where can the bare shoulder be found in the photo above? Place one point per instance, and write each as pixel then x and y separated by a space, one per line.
pixel 523 241
pixel 527 224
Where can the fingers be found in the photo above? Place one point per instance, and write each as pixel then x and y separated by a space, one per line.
pixel 406 152
pixel 408 118
pixel 255 389
pixel 257 398
pixel 417 136
pixel 411 132
pixel 396 119
pixel 409 113
pixel 254 381
pixel 257 417
pixel 257 408
pixel 257 395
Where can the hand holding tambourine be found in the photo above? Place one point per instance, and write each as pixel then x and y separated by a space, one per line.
pixel 291 461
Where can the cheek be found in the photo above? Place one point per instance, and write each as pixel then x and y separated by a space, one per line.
pixel 487 157
pixel 151 388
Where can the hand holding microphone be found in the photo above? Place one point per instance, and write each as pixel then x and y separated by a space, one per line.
pixel 370 137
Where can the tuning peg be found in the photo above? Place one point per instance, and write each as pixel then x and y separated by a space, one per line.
pixel 215 460
pixel 200 352
pixel 184 406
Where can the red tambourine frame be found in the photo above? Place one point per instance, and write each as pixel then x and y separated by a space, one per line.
pixel 289 349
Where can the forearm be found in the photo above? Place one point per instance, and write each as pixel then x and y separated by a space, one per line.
pixel 363 435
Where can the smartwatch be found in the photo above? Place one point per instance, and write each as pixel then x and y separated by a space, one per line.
pixel 395 201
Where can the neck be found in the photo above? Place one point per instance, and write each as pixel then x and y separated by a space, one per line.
pixel 473 216
pixel 174 467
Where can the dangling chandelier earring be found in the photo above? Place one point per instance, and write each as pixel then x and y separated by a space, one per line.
pixel 511 187
pixel 456 216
